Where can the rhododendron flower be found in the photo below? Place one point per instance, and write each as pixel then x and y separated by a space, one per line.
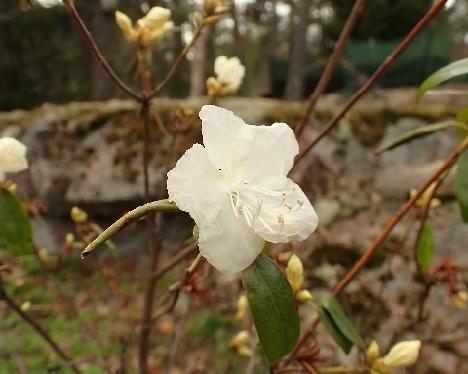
pixel 12 156
pixel 229 75
pixel 236 189
pixel 149 30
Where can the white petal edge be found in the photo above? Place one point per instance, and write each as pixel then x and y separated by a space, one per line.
pixel 196 186
pixel 226 137
pixel 283 224
pixel 274 149
pixel 230 245
pixel 12 155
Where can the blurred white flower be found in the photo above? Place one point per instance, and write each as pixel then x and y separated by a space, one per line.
pixel 229 75
pixel 236 189
pixel 48 3
pixel 149 29
pixel 402 354
pixel 12 156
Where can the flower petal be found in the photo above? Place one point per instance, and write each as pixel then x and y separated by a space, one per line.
pixel 289 216
pixel 273 155
pixel 230 245
pixel 12 155
pixel 227 138
pixel 196 186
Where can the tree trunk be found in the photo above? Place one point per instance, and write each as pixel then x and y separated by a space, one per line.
pixel 296 75
pixel 197 68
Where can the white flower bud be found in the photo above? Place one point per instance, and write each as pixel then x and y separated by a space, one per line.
pixel 126 26
pixel 12 156
pixel 403 354
pixel 229 72
pixel 242 307
pixel 78 215
pixel 295 273
pixel 303 296
pixel 373 352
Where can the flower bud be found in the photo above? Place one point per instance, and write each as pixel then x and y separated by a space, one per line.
pixel 12 156
pixel 403 354
pixel 126 26
pixel 242 307
pixel 214 7
pixel 78 215
pixel 373 352
pixel 243 350
pixel 295 273
pixel 69 239
pixel 240 338
pixel 303 296
pixel 460 299
pixel 25 306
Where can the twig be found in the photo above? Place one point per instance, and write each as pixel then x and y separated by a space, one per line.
pixel 331 64
pixel 178 61
pixel 38 328
pixel 97 53
pixel 173 261
pixel 376 76
pixel 449 162
pixel 135 214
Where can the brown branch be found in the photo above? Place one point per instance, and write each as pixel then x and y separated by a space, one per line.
pixel 449 162
pixel 389 61
pixel 97 53
pixel 178 61
pixel 39 329
pixel 331 64
pixel 175 260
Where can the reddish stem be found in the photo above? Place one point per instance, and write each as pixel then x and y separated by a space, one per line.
pixel 97 53
pixel 331 64
pixel 389 61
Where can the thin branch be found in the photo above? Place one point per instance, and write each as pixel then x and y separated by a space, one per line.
pixel 175 260
pixel 449 162
pixel 38 328
pixel 331 64
pixel 97 53
pixel 128 218
pixel 389 61
pixel 178 61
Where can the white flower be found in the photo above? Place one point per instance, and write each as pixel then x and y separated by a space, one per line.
pixel 150 29
pixel 236 189
pixel 403 354
pixel 12 156
pixel 229 72
pixel 48 3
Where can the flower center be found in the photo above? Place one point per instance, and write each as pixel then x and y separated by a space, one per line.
pixel 262 206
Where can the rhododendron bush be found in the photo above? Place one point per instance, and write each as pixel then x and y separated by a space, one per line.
pixel 251 223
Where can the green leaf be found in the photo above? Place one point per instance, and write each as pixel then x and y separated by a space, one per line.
pixel 425 247
pixel 450 71
pixel 344 324
pixel 15 227
pixel 273 309
pixel 419 133
pixel 462 117
pixel 462 184
pixel 335 332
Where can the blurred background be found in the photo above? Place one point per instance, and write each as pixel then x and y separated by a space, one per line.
pixel 284 45
pixel 85 144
